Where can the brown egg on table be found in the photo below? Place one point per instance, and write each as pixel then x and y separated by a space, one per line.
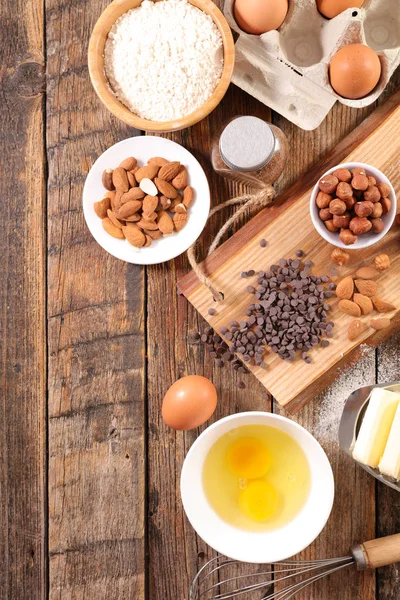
pixel 333 8
pixel 354 71
pixel 189 402
pixel 259 16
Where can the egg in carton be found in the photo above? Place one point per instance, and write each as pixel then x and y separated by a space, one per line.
pixel 288 69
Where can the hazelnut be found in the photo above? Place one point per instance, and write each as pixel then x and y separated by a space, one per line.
pixel 386 205
pixel 347 237
pixel 377 225
pixel 358 171
pixel 323 200
pixel 330 226
pixel 350 202
pixel 337 207
pixel 342 221
pixel 325 214
pixel 382 262
pixel 360 225
pixel 372 194
pixel 342 175
pixel 371 180
pixel 378 210
pixel 359 182
pixel 363 209
pixel 340 256
pixel 328 184
pixel 384 189
pixel 344 191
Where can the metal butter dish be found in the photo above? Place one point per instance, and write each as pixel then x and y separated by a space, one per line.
pixel 350 423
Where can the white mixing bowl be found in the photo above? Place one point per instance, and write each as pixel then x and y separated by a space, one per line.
pixel 248 546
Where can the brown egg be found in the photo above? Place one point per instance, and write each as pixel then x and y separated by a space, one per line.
pixel 354 71
pixel 189 402
pixel 260 16
pixel 332 8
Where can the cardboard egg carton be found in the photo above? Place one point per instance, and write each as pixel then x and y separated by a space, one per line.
pixel 288 69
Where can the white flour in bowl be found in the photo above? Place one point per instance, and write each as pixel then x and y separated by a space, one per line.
pixel 163 59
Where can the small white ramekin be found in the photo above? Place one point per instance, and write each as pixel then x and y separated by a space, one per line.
pixel 368 239
pixel 248 546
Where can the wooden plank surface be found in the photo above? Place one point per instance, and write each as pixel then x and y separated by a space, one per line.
pixel 23 560
pixel 96 347
pixel 277 224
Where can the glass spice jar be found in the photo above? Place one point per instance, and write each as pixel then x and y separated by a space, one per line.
pixel 249 150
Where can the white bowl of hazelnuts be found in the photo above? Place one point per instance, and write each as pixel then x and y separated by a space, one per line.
pixel 353 205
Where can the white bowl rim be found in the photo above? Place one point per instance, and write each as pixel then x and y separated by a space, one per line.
pixel 258 547
pixel 368 239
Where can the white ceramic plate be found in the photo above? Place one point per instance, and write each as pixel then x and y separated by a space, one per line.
pixel 143 148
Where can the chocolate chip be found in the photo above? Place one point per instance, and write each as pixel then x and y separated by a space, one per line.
pixel 211 311
pixel 243 274
pixel 299 253
pixel 263 243
pixel 241 385
pixel 251 273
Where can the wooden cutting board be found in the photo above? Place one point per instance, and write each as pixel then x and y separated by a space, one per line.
pixel 287 227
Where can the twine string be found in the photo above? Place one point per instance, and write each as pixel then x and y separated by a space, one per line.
pixel 254 202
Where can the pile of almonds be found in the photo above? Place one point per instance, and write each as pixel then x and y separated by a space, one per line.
pixel 360 297
pixel 145 203
pixel 352 203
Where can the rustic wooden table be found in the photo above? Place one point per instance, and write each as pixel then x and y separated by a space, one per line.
pixel 89 474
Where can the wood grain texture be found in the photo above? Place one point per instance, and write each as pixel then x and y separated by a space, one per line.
pixel 294 384
pixel 22 305
pixel 96 347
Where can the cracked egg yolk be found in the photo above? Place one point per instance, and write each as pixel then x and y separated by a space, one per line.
pixel 259 501
pixel 248 458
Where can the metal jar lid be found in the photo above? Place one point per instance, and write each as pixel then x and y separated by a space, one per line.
pixel 247 144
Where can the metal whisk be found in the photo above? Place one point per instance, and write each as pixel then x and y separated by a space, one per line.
pixel 296 574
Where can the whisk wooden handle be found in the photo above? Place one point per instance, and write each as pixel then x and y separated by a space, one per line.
pixel 378 553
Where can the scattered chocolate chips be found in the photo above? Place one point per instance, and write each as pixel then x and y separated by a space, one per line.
pixel 289 314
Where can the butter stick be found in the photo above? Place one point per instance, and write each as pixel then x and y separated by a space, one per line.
pixel 390 461
pixel 375 427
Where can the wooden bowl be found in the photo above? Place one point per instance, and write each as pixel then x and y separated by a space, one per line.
pixel 103 89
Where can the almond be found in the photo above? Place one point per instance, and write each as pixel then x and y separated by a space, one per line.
pixel 356 328
pixel 155 235
pixel 366 287
pixel 345 288
pixel 350 308
pixel 367 273
pixel 382 306
pixel 148 187
pixel 120 179
pixel 133 194
pixel 175 202
pixel 150 204
pixel 165 223
pixel 180 208
pixel 165 188
pixel 381 323
pixel 151 217
pixel 148 241
pixel 129 208
pixel 181 179
pixel 180 220
pixel 188 196
pixel 364 303
pixel 147 172
pixel 116 203
pixel 134 236
pixel 163 203
pixel 169 171
pixel 114 220
pixel 101 207
pixel 129 163
pixel 132 218
pixel 110 228
pixel 107 180
pixel 159 161
pixel 146 224
pixel 131 179
pixel 382 262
